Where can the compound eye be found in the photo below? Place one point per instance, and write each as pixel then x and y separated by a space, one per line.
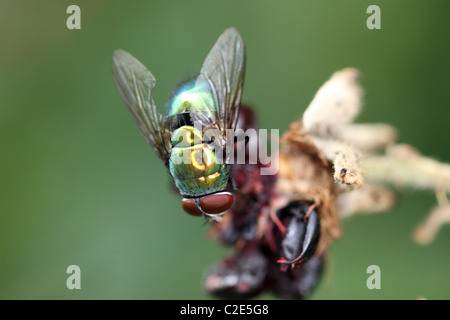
pixel 190 207
pixel 217 203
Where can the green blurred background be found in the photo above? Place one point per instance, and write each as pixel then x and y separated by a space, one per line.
pixel 80 186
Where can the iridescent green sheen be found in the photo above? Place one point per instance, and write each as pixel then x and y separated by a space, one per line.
pixel 192 163
pixel 192 98
pixel 196 169
pixel 186 136
pixel 205 184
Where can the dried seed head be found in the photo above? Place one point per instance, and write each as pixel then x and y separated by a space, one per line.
pixel 367 199
pixel 345 161
pixel 346 167
pixel 336 103
pixel 367 137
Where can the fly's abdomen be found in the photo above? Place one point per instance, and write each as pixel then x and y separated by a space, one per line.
pixel 193 164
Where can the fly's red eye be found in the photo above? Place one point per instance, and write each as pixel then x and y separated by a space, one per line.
pixel 190 207
pixel 217 203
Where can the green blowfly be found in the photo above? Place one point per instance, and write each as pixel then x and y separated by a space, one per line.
pixel 211 100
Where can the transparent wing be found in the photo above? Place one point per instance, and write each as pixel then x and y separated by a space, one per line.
pixel 223 70
pixel 135 84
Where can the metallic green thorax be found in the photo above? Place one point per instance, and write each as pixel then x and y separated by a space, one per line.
pixel 192 97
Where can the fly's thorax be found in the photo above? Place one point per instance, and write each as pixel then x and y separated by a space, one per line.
pixel 191 97
pixel 193 101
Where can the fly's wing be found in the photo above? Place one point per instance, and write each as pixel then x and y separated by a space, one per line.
pixel 223 70
pixel 135 84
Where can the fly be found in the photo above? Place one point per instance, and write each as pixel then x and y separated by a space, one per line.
pixel 209 103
